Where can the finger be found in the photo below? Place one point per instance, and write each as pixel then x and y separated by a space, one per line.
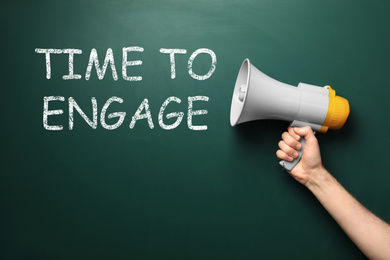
pixel 293 134
pixel 288 149
pixel 306 132
pixel 283 156
pixel 291 141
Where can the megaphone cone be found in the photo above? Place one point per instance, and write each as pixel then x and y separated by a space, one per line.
pixel 257 96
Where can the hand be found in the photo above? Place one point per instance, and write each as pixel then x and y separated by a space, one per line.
pixel 310 163
pixel 367 231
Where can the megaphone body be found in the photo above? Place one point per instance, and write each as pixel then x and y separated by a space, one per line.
pixel 257 96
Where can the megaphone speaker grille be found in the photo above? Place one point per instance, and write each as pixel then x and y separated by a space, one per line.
pixel 240 93
pixel 258 96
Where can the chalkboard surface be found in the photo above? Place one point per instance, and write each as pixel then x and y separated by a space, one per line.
pixel 92 168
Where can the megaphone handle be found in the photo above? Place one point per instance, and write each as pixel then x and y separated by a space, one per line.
pixel 290 165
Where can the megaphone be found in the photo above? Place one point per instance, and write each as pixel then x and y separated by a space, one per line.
pixel 257 96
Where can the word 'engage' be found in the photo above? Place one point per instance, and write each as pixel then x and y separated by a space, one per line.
pixel 138 115
pixel 109 59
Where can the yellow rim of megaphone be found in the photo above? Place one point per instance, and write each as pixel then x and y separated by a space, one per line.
pixel 338 111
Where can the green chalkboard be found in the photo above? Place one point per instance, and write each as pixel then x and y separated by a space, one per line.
pixel 189 186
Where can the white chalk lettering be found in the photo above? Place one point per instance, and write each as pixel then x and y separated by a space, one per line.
pixel 47 53
pixel 93 60
pixel 192 113
pixel 72 104
pixel 109 59
pixel 172 58
pixel 47 112
pixel 138 115
pixel 179 115
pixel 126 63
pixel 71 74
pixel 212 68
pixel 121 115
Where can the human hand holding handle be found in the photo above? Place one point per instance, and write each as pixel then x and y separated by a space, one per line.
pixel 289 147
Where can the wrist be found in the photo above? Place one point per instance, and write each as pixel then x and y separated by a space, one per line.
pixel 319 179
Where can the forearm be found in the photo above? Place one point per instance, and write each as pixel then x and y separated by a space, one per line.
pixel 367 231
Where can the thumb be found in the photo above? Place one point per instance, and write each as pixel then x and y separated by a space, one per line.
pixel 311 157
pixel 306 132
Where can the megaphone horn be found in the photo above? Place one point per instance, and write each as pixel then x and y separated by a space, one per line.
pixel 257 96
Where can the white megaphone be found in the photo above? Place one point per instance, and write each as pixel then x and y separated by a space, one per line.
pixel 257 96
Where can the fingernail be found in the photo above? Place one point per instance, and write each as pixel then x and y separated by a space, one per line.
pixel 295 154
pixel 298 146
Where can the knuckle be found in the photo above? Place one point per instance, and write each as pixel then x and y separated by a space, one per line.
pixel 282 155
pixel 291 152
pixel 285 136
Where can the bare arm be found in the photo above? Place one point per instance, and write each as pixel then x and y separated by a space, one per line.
pixel 367 231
